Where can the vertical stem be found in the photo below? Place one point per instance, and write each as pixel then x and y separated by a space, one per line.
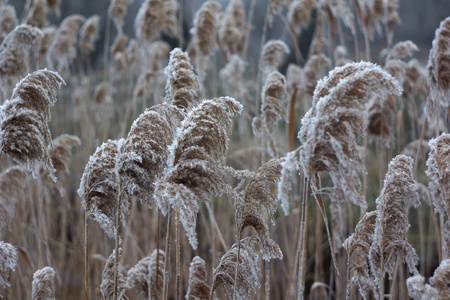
pixel 291 120
pixel 166 260
pixel 178 255
pixel 157 255
pixel 86 256
pixel 237 265
pixel 267 279
pixel 116 261
pixel 302 245
pixel 247 29
pixel 258 77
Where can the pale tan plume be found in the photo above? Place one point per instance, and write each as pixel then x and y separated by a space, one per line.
pixel 24 131
pixel 196 165
pixel 198 287
pixel 15 52
pixel 247 280
pixel 63 49
pixel 107 285
pixel 42 284
pixel 99 187
pixel 143 277
pixel 183 87
pixel 89 34
pixel 143 155
pixel 390 238
pixel 37 14
pixel 8 20
pixel 59 151
pixel 8 261
pixel 117 10
pixel 258 207
pixel 205 28
pixel 300 12
pixel 49 33
pixel 232 27
pixel 438 287
pixel 439 70
pixel 272 54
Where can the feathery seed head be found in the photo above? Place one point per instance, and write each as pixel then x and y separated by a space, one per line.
pixel 42 284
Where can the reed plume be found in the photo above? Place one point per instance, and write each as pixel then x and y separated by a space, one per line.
pixel 340 56
pixel 204 30
pixel 15 52
pixel 49 33
pixel 149 20
pixel 13 184
pixel 103 92
pixel 142 277
pixel 358 247
pixel 273 108
pixel 59 151
pixel 170 24
pixel 198 287
pixel 37 14
pixel 300 12
pixel 117 10
pixel 438 69
pixel 390 238
pixel 196 164
pixel 289 165
pixel 119 44
pixel 24 132
pixel 42 284
pixel 417 148
pixel 232 27
pixel 89 34
pixel 8 261
pixel 381 116
pixel 63 49
pixel 247 279
pixel 330 127
pixel 107 285
pixel 438 287
pixel 53 5
pixel 391 18
pixel 259 205
pixel 8 20
pixel 272 54
pixel 99 187
pixel 143 155
pixel 183 87
pixel 232 76
pixel 439 173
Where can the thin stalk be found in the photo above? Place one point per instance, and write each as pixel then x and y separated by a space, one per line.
pixel 237 266
pixel 178 250
pixel 298 53
pixel 247 29
pixel 166 260
pixel 214 223
pixel 302 244
pixel 258 77
pixel 291 120
pixel 267 279
pixel 157 251
pixel 86 257
pixel 116 260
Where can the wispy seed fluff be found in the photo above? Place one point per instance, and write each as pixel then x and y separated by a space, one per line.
pixel 259 205
pixel 143 154
pixel 89 34
pixel 107 285
pixel 42 284
pixel 154 17
pixel 24 132
pixel 391 228
pixel 198 287
pixel 439 69
pixel 143 275
pixel 99 187
pixel 330 128
pixel 8 261
pixel 247 280
pixel 182 87
pixel 15 52
pixel 438 171
pixel 63 49
pixel 196 164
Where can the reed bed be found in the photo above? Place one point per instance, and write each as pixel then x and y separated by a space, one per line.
pixel 187 167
